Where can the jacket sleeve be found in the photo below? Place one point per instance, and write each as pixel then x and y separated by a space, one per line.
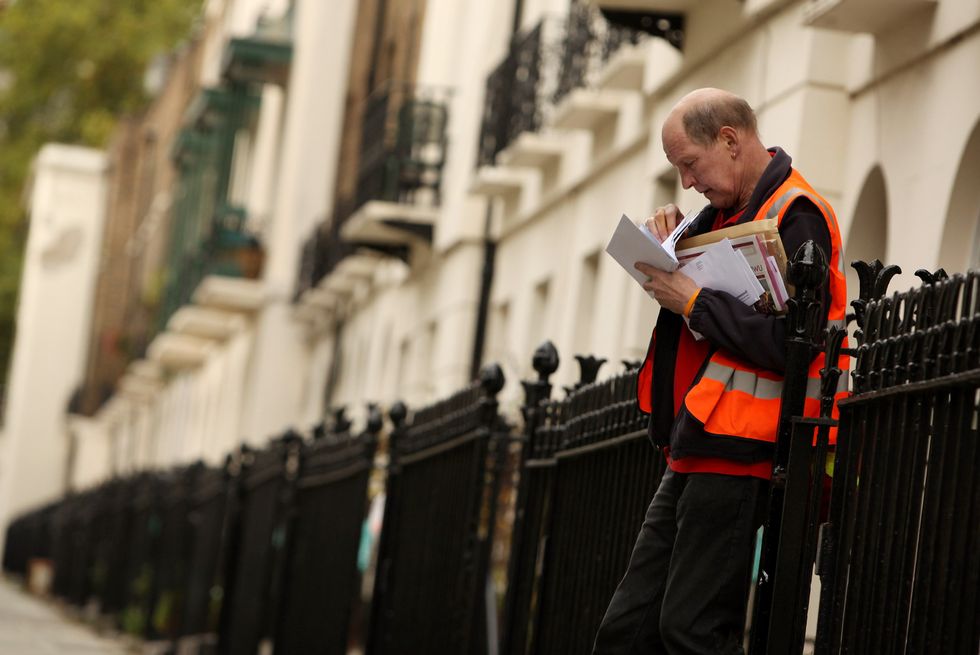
pixel 736 327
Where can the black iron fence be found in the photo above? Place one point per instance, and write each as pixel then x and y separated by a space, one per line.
pixel 266 484
pixel 431 579
pixel 587 474
pixel 321 592
pixel 265 550
pixel 899 561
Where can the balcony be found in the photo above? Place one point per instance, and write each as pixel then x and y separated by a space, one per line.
pixel 568 74
pixel 395 203
pixel 862 16
pixel 589 43
pixel 264 57
pixel 209 237
pixel 403 151
pixel 226 252
pixel 520 90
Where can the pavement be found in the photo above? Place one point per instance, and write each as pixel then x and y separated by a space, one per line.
pixel 31 626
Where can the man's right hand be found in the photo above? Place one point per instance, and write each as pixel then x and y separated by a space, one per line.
pixel 664 220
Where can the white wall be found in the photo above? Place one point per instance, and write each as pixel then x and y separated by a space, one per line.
pixel 67 210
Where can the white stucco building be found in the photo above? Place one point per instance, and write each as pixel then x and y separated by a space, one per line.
pixel 877 102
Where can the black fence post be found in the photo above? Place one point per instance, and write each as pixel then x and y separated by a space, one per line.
pixel 521 564
pixel 773 624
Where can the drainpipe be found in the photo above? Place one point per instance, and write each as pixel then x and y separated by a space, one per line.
pixel 489 251
pixel 486 282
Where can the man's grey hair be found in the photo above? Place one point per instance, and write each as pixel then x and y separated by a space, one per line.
pixel 704 120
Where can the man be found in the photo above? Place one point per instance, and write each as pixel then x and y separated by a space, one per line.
pixel 714 403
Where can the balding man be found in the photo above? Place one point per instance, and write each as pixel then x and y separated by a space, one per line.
pixel 711 402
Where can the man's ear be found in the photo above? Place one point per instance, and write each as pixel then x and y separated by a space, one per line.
pixel 728 136
pixel 729 139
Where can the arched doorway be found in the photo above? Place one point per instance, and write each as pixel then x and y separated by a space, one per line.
pixel 960 246
pixel 868 236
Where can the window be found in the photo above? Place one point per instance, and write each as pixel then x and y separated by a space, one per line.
pixel 586 306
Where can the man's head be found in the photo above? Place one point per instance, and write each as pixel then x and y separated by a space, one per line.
pixel 710 136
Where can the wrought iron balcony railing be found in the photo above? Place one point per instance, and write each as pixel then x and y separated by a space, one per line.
pixel 207 233
pixel 588 44
pixel 227 250
pixel 520 89
pixel 401 157
pixel 403 145
pixel 322 251
pixel 545 63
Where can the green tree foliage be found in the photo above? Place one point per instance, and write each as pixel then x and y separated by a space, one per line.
pixel 68 69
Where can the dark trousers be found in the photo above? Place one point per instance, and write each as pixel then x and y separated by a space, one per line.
pixel 686 587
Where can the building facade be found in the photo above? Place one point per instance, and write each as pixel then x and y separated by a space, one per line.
pixel 332 204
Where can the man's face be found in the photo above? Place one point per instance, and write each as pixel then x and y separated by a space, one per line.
pixel 709 169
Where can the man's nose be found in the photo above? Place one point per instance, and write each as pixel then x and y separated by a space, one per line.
pixel 687 180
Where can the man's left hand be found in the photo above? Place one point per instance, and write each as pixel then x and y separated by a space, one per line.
pixel 672 290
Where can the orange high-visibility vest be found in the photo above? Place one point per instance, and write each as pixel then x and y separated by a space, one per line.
pixel 735 398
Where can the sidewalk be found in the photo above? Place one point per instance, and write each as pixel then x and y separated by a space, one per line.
pixel 29 626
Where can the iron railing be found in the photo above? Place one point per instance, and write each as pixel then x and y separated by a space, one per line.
pixel 587 475
pixel 895 557
pixel 208 235
pixel 520 90
pixel 255 570
pixel 330 503
pixel 898 562
pixel 211 509
pixel 588 44
pixel 404 141
pixel 403 145
pixel 433 556
pixel 543 65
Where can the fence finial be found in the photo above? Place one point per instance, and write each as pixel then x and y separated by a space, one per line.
pixel 545 360
pixel 589 365
pixel 374 420
pixel 341 423
pixel 398 413
pixel 492 379
pixel 319 431
pixel 928 277
pixel 874 278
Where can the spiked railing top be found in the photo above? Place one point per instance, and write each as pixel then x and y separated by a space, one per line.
pixel 472 408
pixel 920 334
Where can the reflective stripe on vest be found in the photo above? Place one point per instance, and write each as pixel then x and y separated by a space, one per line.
pixel 735 398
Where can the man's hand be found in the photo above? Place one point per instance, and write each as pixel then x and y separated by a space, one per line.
pixel 664 220
pixel 672 290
